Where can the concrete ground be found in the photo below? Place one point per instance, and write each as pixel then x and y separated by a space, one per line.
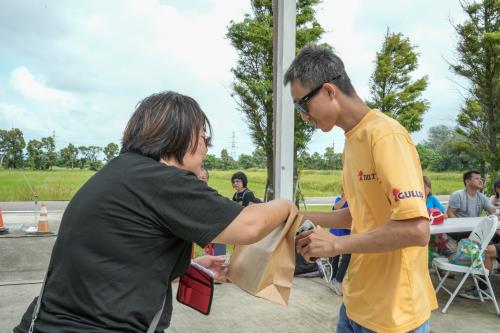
pixel 313 307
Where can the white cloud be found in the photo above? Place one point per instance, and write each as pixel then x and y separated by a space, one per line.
pixel 17 116
pixel 32 88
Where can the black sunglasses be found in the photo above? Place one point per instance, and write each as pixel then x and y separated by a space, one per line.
pixel 300 105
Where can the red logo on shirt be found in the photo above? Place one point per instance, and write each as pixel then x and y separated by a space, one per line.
pixel 398 195
pixel 366 176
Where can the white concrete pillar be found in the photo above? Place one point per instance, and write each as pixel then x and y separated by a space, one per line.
pixel 284 52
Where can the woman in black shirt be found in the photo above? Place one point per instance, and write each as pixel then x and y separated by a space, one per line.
pixel 128 231
pixel 243 195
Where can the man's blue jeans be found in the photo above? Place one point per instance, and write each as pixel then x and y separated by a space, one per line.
pixel 345 325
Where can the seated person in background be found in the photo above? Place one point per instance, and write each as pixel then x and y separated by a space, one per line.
pixel 495 198
pixel 430 200
pixel 243 195
pixel 492 253
pixel 469 202
pixel 439 244
pixel 340 262
pixel 204 175
pixel 213 248
pixel 493 250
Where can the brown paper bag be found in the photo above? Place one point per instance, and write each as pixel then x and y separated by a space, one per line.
pixel 265 269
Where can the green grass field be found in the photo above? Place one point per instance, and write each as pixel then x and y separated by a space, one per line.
pixel 62 184
pixel 58 184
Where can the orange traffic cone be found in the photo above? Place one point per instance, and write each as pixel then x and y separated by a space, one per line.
pixel 43 220
pixel 3 230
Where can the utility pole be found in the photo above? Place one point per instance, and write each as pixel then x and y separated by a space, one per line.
pixel 283 135
pixel 233 146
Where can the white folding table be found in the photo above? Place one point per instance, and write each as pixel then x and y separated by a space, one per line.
pixel 459 224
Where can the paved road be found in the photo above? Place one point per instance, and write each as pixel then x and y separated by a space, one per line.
pixel 21 206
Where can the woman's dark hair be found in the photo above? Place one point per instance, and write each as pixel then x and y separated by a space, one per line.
pixel 495 186
pixel 427 182
pixel 165 125
pixel 241 176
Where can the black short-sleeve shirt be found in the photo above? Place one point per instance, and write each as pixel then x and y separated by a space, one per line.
pixel 245 197
pixel 123 237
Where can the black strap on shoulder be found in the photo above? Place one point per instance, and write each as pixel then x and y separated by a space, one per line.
pixel 36 310
pixel 156 318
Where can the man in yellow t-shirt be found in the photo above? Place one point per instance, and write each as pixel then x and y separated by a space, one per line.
pixel 388 287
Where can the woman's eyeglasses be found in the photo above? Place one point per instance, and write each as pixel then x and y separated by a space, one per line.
pixel 207 140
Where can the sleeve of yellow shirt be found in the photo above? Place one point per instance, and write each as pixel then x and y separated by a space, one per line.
pixel 398 170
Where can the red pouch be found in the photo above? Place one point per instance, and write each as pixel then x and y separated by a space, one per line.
pixel 435 216
pixel 196 288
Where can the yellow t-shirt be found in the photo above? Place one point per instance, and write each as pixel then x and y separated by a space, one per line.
pixel 382 178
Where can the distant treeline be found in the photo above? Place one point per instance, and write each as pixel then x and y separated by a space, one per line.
pixel 444 150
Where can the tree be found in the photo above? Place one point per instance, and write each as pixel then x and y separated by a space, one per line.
pixel 445 149
pixel 89 157
pixel 392 89
pixel 332 160
pixel 478 61
pixel 259 157
pixel 35 153
pixel 227 162
pixel 253 85
pixel 69 155
pixel 211 162
pixel 49 155
pixel 430 159
pixel 245 161
pixel 11 148
pixel 41 154
pixel 110 151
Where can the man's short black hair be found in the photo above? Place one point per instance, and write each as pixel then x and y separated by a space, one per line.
pixel 165 125
pixel 318 64
pixel 241 176
pixel 468 174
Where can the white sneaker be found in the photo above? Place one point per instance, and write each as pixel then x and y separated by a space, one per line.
pixel 336 287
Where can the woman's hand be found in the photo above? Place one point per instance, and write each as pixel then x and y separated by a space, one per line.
pixel 217 264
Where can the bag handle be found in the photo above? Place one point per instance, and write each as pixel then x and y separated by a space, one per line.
pixel 156 318
pixel 36 310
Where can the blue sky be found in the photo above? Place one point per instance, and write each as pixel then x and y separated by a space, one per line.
pixel 78 68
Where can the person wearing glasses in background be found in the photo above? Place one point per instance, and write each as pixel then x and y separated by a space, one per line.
pixel 495 198
pixel 217 249
pixel 243 195
pixel 387 287
pixel 470 202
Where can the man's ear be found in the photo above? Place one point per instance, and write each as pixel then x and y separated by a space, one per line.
pixel 331 89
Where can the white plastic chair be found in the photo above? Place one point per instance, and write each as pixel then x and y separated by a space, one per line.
pixel 481 234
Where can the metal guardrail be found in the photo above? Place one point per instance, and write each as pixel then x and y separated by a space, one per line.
pixel 31 212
